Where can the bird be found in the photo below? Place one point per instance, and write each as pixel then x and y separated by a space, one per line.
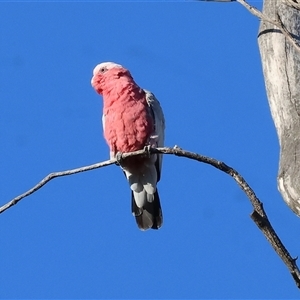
pixel 133 120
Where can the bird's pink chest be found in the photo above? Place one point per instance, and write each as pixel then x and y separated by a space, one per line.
pixel 127 121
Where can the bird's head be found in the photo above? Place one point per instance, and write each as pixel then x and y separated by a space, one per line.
pixel 104 75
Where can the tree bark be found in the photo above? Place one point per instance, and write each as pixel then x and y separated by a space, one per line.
pixel 281 68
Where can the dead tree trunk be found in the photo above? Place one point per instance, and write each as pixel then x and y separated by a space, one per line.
pixel 281 67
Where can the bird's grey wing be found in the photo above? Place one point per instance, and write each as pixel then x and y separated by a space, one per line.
pixel 158 135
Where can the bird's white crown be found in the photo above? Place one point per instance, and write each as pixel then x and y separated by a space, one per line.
pixel 107 65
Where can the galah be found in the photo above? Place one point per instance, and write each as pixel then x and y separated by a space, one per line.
pixel 132 120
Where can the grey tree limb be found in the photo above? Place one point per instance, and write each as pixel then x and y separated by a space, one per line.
pixel 279 41
pixel 258 215
pixel 281 68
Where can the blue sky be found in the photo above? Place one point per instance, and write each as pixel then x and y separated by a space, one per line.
pixel 76 237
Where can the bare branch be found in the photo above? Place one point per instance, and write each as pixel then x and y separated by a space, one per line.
pixel 293 3
pixel 259 215
pixel 51 176
pixel 278 23
pixel 254 11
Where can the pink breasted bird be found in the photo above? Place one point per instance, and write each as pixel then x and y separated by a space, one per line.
pixel 133 119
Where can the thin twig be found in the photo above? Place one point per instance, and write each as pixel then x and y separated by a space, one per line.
pixel 278 23
pixel 292 3
pixel 259 215
pixel 254 11
pixel 50 177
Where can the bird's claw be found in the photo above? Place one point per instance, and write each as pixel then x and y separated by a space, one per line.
pixel 119 158
pixel 147 150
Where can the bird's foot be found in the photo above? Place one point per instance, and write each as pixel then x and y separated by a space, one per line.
pixel 119 158
pixel 147 150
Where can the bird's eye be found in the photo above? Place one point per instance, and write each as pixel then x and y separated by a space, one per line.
pixel 102 70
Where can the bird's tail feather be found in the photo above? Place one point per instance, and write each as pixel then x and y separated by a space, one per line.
pixel 148 216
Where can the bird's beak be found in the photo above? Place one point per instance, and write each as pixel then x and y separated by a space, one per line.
pixel 95 82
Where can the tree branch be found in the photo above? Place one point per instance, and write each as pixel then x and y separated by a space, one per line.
pixel 259 215
pixel 50 177
pixel 278 23
pixel 293 3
